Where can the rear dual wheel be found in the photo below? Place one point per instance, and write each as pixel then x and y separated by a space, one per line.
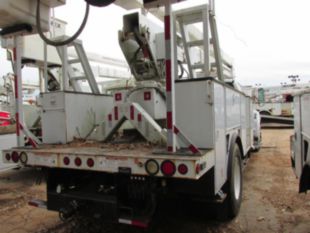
pixel 233 187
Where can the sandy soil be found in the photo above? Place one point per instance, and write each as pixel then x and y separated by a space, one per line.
pixel 271 202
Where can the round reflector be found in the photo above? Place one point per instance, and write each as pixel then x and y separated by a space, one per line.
pixel 90 162
pixel 66 161
pixel 182 168
pixel 15 156
pixel 151 167
pixel 78 161
pixel 23 158
pixel 7 156
pixel 168 168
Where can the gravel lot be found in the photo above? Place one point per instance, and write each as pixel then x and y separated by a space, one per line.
pixel 271 202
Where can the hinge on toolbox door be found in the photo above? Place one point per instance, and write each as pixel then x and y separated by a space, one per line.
pixel 209 92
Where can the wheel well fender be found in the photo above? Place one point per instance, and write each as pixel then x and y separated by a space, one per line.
pixel 235 138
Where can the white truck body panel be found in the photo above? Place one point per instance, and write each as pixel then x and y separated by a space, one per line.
pixel 68 115
pixel 194 112
pixel 221 155
pixel 209 114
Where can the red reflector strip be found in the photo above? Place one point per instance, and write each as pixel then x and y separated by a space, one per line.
pixel 132 112
pixel 176 130
pixel 32 142
pixel 116 113
pixel 139 117
pixel 168 76
pixel 169 120
pixel 147 95
pixel 170 149
pixel 193 149
pixel 136 223
pixel 118 97
pixel 15 85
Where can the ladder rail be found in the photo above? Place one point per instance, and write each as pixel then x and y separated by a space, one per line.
pixel 186 49
pixel 86 66
pixel 69 75
pixel 185 18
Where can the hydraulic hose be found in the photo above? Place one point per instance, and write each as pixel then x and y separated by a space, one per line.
pixel 64 42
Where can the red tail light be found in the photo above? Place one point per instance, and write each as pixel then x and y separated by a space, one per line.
pixel 66 161
pixel 7 156
pixel 78 161
pixel 168 168
pixel 90 162
pixel 15 156
pixel 183 169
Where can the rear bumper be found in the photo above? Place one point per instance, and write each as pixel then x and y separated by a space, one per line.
pixel 131 161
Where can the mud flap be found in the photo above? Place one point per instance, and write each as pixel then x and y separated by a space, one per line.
pixel 304 184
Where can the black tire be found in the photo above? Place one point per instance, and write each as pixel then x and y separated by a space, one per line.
pixel 233 187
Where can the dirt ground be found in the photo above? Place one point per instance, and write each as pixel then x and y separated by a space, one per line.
pixel 271 202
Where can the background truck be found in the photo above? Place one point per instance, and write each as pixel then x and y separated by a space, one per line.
pixel 183 129
pixel 300 140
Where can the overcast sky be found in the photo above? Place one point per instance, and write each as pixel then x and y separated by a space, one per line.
pixel 267 39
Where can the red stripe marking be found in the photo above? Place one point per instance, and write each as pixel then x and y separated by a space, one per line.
pixel 15 86
pixel 118 97
pixel 17 124
pixel 116 113
pixel 193 149
pixel 167 27
pixel 132 112
pixel 32 143
pixel 168 76
pixel 170 148
pixel 139 224
pixel 169 120
pixel 139 117
pixel 147 96
pixel 110 117
pixel 176 130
